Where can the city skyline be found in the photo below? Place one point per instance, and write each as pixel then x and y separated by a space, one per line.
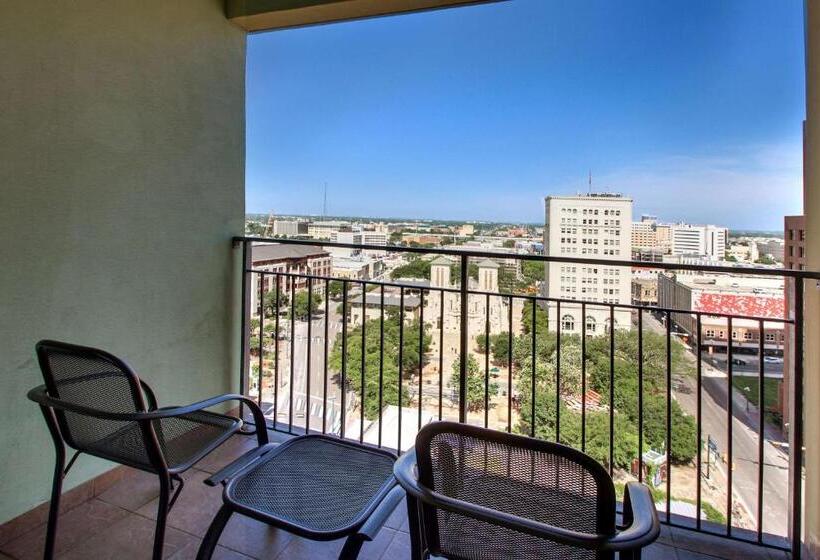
pixel 429 116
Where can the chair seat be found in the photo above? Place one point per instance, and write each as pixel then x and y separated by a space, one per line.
pixel 317 486
pixel 184 440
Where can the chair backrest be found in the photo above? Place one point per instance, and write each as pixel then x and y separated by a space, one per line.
pixel 93 378
pixel 538 480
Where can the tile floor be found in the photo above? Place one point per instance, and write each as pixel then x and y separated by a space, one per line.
pixel 119 523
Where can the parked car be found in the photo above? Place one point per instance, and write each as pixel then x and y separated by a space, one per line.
pixel 773 359
pixel 739 362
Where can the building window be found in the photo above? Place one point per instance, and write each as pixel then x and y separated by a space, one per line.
pixel 590 324
pixel 568 323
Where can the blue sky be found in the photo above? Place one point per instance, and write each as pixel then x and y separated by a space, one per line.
pixel 692 107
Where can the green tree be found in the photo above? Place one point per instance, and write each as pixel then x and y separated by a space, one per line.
pixel 301 302
pixel 532 271
pixel 411 360
pixel 416 268
pixel 334 289
pixel 455 272
pixel 540 318
pixel 500 347
pixel 481 343
pixel 508 243
pixel 475 383
pixel 269 300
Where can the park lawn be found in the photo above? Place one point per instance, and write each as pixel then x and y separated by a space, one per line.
pixel 771 388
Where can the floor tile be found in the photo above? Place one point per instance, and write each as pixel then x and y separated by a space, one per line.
pixel 254 538
pixel 399 548
pixel 195 508
pixel 304 549
pixel 659 551
pixel 131 538
pixel 398 519
pixel 717 546
pixel 75 526
pixel 134 490
pixel 226 453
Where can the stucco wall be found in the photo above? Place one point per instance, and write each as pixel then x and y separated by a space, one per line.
pixel 121 183
pixel 811 203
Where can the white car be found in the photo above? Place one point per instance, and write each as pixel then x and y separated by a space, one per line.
pixel 772 360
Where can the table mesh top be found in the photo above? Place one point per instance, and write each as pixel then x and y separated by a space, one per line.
pixel 318 484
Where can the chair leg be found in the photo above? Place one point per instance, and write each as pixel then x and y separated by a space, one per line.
pixel 54 506
pixel 162 515
pixel 206 549
pixel 415 528
pixel 350 551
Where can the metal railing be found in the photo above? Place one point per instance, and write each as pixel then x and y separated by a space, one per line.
pixel 332 405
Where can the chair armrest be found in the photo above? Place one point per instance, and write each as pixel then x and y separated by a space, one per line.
pixel 640 518
pixel 246 459
pixel 381 514
pixel 404 471
pixel 41 397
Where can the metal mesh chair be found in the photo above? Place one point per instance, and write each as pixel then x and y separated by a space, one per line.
pixel 94 403
pixel 477 494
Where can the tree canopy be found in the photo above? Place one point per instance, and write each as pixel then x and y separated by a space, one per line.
pixel 410 360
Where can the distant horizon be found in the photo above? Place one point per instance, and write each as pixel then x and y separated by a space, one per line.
pixel 693 108
pixel 732 231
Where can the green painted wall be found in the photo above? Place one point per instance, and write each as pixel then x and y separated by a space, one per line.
pixel 121 184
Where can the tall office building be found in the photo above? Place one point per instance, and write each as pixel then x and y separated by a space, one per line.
pixel 708 240
pixel 593 226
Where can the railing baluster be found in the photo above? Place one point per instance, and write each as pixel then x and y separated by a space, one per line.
pixel 611 388
pixel 308 356
pixel 486 360
pixel 699 421
pixel 261 337
pixel 441 356
pixel 668 414
pixel 421 351
pixel 558 370
pixel 760 426
pixel 533 358
pixel 364 360
pixel 401 360
pixel 464 342
pixel 729 416
pixel 343 384
pixel 324 378
pixel 291 383
pixel 381 362
pixel 584 378
pixel 509 365
pixel 640 396
pixel 276 353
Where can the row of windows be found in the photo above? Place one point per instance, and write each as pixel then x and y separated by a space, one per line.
pixel 591 211
pixel 747 335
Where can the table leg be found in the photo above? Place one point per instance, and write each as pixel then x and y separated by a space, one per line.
pixel 206 549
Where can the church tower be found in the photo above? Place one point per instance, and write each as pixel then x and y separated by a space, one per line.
pixel 440 272
pixel 488 276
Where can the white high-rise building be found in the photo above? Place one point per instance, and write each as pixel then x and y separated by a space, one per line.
pixel 707 240
pixel 593 226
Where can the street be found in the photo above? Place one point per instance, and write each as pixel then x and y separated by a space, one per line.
pixel 744 441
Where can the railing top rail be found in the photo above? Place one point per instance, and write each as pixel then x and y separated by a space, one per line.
pixel 788 273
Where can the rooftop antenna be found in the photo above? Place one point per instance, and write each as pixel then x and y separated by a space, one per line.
pixel 589 191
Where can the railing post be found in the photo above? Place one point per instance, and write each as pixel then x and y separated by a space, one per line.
pixel 244 350
pixel 796 425
pixel 462 385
